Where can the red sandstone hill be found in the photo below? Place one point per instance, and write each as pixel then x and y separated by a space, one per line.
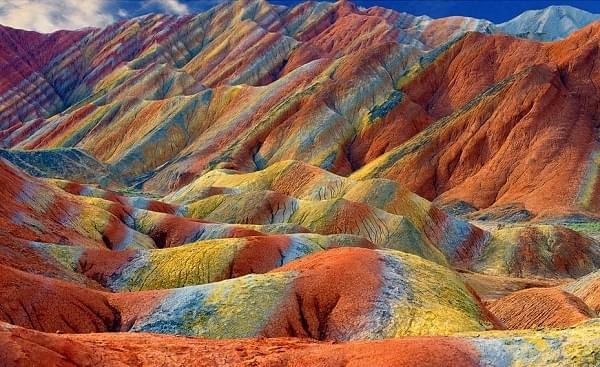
pixel 513 126
pixel 541 307
pixel 488 121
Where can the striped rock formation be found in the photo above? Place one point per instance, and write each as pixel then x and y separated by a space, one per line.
pixel 586 288
pixel 166 99
pixel 541 307
pixel 484 114
pixel 319 176
pixel 375 295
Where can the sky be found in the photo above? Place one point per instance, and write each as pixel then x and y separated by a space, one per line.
pixel 51 15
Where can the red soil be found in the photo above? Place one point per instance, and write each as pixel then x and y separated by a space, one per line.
pixel 540 307
pixel 332 290
pixel 21 347
pixel 51 305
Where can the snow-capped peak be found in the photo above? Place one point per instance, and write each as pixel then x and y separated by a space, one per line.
pixel 551 23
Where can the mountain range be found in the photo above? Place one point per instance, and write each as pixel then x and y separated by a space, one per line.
pixel 307 175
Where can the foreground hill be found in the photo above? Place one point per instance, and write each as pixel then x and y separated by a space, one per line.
pixel 155 270
pixel 574 347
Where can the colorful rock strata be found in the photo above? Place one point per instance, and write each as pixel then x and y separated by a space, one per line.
pixel 339 185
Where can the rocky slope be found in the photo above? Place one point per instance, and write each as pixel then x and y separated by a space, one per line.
pixel 505 122
pixel 574 346
pixel 166 99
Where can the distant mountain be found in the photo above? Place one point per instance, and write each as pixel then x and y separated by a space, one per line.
pixel 507 115
pixel 163 100
pixel 549 24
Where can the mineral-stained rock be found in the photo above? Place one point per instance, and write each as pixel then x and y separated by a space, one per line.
pixel 312 175
pixel 506 122
pixel 587 288
pixel 574 346
pixel 541 307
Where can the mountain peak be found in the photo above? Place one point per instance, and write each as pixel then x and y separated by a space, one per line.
pixel 549 24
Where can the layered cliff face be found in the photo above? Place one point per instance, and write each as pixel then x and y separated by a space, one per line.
pixel 323 171
pixel 221 89
pixel 27 91
pixel 514 130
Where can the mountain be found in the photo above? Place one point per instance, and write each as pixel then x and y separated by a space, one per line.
pixel 159 87
pixel 26 90
pixel 549 24
pixel 504 124
pixel 312 178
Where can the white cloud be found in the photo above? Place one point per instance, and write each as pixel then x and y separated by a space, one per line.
pixel 50 15
pixel 122 13
pixel 170 6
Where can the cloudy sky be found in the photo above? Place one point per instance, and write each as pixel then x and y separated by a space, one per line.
pixel 50 15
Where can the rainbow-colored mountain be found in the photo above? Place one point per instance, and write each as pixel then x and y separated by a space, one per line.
pixel 338 186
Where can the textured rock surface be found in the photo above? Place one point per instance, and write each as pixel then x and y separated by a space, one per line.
pixel 399 295
pixel 541 307
pixel 296 174
pixel 487 109
pixel 574 346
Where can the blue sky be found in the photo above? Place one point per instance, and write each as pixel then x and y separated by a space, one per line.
pixel 496 11
pixel 50 15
